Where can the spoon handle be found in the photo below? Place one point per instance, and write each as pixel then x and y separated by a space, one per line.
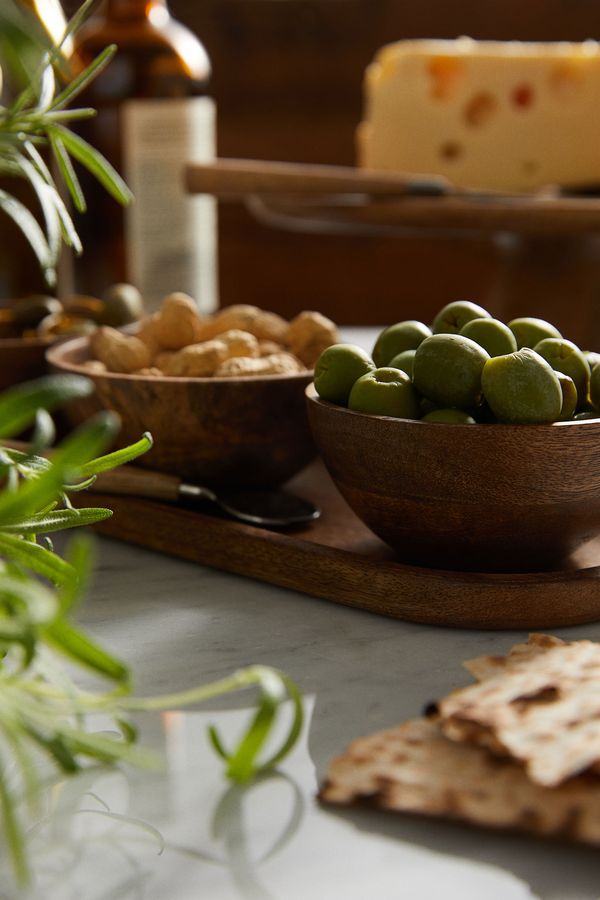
pixel 138 482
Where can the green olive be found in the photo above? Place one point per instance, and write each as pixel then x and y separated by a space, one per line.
pixel 61 325
pixel 491 334
pixel 529 331
pixel 447 370
pixel 522 388
pixel 453 317
pixel 404 361
pixel 592 357
pixel 82 306
pixel 595 387
pixel 123 305
pixel 569 393
pixel 401 336
pixel 29 311
pixel 336 370
pixel 385 392
pixel 449 417
pixel 565 356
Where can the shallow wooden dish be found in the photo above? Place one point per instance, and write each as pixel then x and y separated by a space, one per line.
pixel 495 498
pixel 245 431
pixel 22 359
pixel 339 559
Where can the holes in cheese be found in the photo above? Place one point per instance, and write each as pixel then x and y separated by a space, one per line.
pixel 522 96
pixel 530 167
pixel 451 150
pixel 565 80
pixel 446 73
pixel 480 109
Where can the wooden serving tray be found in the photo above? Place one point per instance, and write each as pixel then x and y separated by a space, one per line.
pixel 301 196
pixel 337 558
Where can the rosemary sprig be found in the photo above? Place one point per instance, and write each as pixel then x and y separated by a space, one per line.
pixel 38 118
pixel 42 709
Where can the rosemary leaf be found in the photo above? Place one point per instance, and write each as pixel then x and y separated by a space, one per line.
pixel 44 523
pixel 30 228
pixel 118 457
pixel 83 79
pixel 82 649
pixel 19 405
pixel 66 167
pixel 93 161
pixel 36 558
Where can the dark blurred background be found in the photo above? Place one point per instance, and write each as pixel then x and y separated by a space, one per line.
pixel 287 79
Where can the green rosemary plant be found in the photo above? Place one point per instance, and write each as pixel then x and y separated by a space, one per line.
pixel 38 119
pixel 41 706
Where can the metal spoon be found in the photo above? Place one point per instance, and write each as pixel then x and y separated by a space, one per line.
pixel 265 508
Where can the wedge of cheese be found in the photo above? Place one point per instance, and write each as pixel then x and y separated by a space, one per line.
pixel 504 116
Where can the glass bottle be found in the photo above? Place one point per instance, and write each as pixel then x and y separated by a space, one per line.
pixel 153 115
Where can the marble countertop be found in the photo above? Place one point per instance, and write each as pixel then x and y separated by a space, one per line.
pixel 180 624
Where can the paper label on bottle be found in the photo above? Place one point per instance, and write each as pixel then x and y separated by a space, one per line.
pixel 171 236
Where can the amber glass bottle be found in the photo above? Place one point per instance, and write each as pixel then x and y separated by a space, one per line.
pixel 153 115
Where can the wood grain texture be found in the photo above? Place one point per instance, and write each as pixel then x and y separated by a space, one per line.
pixel 485 214
pixel 337 558
pixel 303 192
pixel 546 247
pixel 247 431
pixel 485 497
pixel 248 176
pixel 138 482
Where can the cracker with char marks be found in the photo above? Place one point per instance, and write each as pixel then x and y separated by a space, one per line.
pixel 483 667
pixel 540 705
pixel 416 769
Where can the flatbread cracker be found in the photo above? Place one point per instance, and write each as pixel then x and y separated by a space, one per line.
pixel 416 769
pixel 483 667
pixel 541 706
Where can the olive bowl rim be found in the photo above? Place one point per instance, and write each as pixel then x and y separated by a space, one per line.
pixel 313 397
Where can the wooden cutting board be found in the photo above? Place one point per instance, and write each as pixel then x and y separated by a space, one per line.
pixel 320 197
pixel 337 558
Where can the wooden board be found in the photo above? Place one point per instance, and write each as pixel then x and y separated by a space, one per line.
pixel 544 217
pixel 337 558
pixel 320 198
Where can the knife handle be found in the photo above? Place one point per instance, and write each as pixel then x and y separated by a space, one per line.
pixel 251 176
pixel 138 482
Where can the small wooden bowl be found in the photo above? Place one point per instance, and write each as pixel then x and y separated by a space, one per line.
pixel 498 498
pixel 22 359
pixel 218 431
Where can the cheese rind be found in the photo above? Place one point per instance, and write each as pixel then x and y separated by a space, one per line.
pixel 504 116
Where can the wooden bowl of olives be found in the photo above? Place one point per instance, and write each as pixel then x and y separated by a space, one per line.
pixel 461 457
pixel 22 348
pixel 30 325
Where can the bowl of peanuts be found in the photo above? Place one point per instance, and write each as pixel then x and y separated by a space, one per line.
pixel 222 394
